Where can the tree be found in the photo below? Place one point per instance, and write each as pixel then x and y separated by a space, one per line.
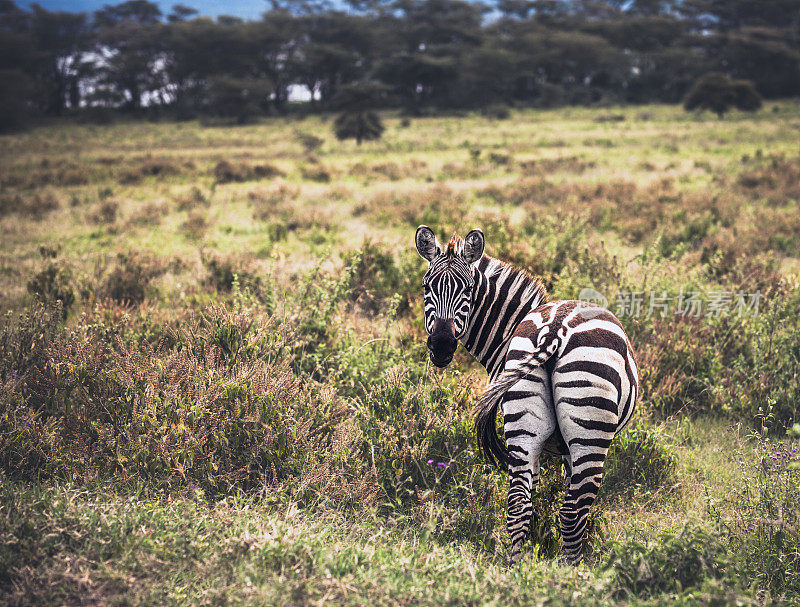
pixel 718 93
pixel 181 12
pixel 130 40
pixel 361 126
pixel 62 39
pixel 358 120
pixel 239 98
pixel 19 57
pixel 334 50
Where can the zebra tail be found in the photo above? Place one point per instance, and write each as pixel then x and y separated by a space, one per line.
pixel 492 447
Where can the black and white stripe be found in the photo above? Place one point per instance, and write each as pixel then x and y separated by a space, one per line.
pixel 562 373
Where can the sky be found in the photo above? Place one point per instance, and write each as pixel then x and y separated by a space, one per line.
pixel 246 9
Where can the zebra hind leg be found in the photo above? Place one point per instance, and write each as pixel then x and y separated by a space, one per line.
pixel 528 421
pixel 584 484
pixel 523 480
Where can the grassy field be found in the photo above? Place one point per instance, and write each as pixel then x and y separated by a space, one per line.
pixel 214 386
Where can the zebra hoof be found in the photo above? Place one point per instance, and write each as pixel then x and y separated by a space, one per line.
pixel 572 559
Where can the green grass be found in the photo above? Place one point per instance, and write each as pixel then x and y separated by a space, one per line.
pixel 100 546
pixel 232 402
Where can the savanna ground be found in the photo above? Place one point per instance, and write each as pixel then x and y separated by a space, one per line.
pixel 214 385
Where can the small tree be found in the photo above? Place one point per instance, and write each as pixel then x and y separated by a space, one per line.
pixel 718 93
pixel 357 120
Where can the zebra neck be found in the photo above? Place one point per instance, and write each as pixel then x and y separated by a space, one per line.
pixel 503 296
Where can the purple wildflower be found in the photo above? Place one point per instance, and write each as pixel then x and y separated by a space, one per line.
pixel 193 486
pixel 430 462
pixel 443 464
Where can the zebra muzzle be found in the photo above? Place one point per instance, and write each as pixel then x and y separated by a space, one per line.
pixel 442 343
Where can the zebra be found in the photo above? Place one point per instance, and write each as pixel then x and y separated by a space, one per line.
pixel 562 373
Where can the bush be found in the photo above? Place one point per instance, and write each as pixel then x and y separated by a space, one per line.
pixel 377 277
pixel 228 272
pixel 149 167
pixel 127 282
pixel 762 518
pixel 106 212
pixel 212 402
pixel 149 214
pixel 315 172
pixel 35 206
pixel 498 111
pixel 53 284
pixel 718 93
pixel 228 172
pixel 679 564
pixel 638 461
pixel 192 200
pixel 309 142
pixel 196 225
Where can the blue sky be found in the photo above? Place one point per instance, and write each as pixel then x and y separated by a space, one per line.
pixel 247 9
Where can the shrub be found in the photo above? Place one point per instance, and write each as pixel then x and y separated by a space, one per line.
pixel 737 366
pixel 638 461
pixel 149 167
pixel 192 200
pixel 762 517
pixel 35 206
pixel 498 111
pixel 127 282
pixel 105 212
pixel 225 271
pixel 680 564
pixel 53 284
pixel 309 142
pixel 315 172
pixel 500 159
pixel 206 400
pixel 149 214
pixel 196 225
pixel 718 93
pixel 377 277
pixel 228 172
pixel 358 119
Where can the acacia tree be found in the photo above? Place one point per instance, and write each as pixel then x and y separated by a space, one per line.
pixel 718 93
pixel 130 41
pixel 358 119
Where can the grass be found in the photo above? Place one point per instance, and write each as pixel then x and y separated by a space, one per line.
pixel 213 381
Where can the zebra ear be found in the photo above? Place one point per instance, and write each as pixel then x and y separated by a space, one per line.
pixel 474 244
pixel 427 244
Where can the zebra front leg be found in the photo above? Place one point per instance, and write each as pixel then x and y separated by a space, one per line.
pixel 523 480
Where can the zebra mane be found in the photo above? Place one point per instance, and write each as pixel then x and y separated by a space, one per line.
pixel 531 287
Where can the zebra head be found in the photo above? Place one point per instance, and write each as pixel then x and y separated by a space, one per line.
pixel 448 285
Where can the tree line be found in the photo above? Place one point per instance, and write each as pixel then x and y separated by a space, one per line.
pixel 418 55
